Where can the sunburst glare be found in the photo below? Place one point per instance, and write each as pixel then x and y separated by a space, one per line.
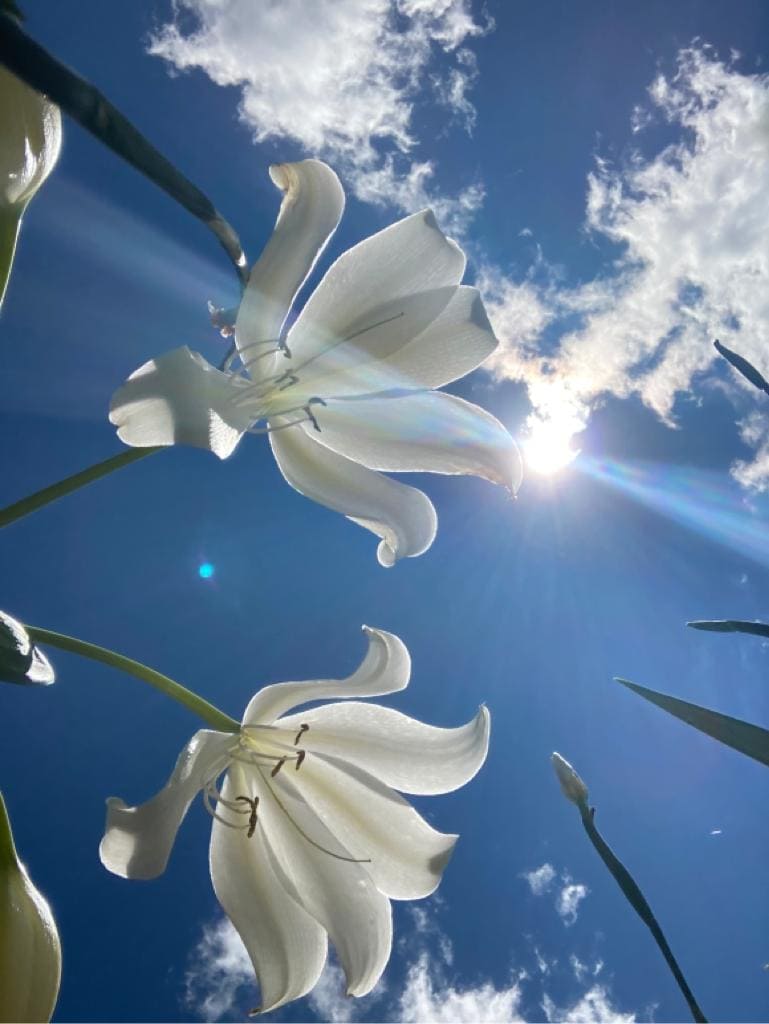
pixel 548 447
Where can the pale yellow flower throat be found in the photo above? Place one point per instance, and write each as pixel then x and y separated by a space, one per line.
pixel 259 751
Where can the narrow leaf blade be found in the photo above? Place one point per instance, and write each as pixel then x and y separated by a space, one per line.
pixel 751 740
pixel 748 370
pixel 731 626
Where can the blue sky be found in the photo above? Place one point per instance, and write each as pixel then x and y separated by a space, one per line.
pixel 608 260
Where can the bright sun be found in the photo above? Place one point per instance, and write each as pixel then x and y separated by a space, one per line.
pixel 548 448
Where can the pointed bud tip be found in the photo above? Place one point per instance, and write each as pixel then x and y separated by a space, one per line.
pixel 572 786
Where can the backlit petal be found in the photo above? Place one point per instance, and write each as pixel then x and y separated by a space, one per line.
pixel 138 840
pixel 312 206
pixel 430 432
pixel 371 820
pixel 410 256
pixel 286 945
pixel 400 751
pixel 402 516
pixel 339 894
pixel 179 398
pixel 386 668
pixel 425 347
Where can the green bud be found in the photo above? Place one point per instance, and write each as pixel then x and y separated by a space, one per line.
pixel 20 661
pixel 30 140
pixel 30 951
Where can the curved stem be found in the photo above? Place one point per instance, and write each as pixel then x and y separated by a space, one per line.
pixel 637 900
pixel 85 104
pixel 22 508
pixel 202 708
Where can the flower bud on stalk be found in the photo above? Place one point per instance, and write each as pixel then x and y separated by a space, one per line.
pixel 30 951
pixel 30 140
pixel 573 787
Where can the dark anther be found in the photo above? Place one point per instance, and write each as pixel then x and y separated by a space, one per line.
pixel 277 767
pixel 311 418
pixel 302 729
pixel 252 818
pixel 288 380
pixel 299 758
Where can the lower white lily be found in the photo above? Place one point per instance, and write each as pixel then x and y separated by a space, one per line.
pixel 309 837
pixel 349 391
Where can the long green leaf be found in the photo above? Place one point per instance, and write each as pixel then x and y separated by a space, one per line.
pixel 731 626
pixel 85 104
pixel 750 740
pixel 748 370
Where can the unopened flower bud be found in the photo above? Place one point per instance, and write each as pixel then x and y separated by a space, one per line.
pixel 30 951
pixel 20 661
pixel 573 787
pixel 30 140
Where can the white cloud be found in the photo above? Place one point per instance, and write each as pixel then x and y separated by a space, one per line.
pixel 593 1005
pixel 219 967
pixel 341 78
pixel 568 894
pixel 568 901
pixel 690 224
pixel 329 1001
pixel 540 879
pixel 426 999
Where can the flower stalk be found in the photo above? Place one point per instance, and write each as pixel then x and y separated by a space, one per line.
pixel 198 705
pixel 575 790
pixel 85 104
pixel 24 507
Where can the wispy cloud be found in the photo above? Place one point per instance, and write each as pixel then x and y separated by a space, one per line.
pixel 690 225
pixel 218 968
pixel 540 879
pixel 341 78
pixel 567 893
pixel 594 1005
pixel 570 895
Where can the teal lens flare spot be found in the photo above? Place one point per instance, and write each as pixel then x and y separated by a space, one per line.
pixel 205 570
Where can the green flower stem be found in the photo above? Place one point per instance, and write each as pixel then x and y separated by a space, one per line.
pixel 85 104
pixel 26 506
pixel 202 708
pixel 637 900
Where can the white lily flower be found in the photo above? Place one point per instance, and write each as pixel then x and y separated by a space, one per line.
pixel 348 391
pixel 310 838
pixel 30 140
pixel 30 951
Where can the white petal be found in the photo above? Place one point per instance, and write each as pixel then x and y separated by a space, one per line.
pixel 371 820
pixel 287 947
pixel 430 432
pixel 456 342
pixel 412 255
pixel 310 211
pixel 402 516
pixel 179 398
pixel 400 751
pixel 138 840
pixel 339 894
pixel 365 358
pixel 386 668
pixel 427 346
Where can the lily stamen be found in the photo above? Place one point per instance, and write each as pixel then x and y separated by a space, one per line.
pixel 303 728
pixel 300 758
pixel 278 766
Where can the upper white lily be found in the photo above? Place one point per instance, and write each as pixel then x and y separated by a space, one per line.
pixel 348 390
pixel 309 837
